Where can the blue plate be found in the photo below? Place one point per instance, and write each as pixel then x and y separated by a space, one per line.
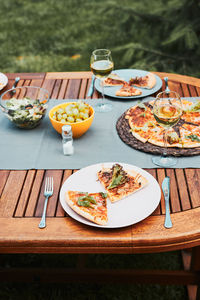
pixel 127 74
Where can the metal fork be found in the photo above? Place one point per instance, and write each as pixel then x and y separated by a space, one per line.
pixel 48 191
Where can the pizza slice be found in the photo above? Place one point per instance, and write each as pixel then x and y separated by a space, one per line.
pixel 190 135
pixel 114 80
pixel 119 183
pixel 91 206
pixel 191 113
pixel 157 138
pixel 147 82
pixel 128 91
pixel 141 121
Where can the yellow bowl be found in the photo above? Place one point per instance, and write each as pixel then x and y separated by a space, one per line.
pixel 78 128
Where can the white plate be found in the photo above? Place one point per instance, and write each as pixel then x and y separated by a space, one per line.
pixel 125 212
pixel 127 74
pixel 3 80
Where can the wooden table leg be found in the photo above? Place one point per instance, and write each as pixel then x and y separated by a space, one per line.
pixel 191 261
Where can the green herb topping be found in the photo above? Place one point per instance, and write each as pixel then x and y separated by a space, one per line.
pixel 86 200
pixel 142 105
pixel 119 176
pixel 104 195
pixel 193 137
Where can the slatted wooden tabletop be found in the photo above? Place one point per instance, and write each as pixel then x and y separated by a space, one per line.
pixel 22 199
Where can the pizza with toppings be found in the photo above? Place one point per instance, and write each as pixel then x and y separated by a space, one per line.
pixel 91 206
pixel 146 82
pixel 130 86
pixel 127 91
pixel 185 134
pixel 120 183
pixel 114 80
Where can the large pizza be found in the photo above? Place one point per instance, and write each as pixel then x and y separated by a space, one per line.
pixel 138 128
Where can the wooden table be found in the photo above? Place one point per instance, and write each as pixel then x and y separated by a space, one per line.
pixel 22 201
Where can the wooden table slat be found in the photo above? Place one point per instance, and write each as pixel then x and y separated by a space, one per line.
pixel 83 88
pixel 185 90
pixel 174 196
pixel 34 193
pixel 73 88
pixel 193 180
pixel 11 193
pixel 183 190
pixel 175 86
pixel 56 89
pixel 24 197
pixel 3 179
pixel 62 90
pixel 60 211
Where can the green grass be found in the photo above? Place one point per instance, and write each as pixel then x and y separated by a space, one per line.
pixel 85 291
pixel 51 35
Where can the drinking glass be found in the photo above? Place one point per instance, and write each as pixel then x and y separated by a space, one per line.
pixel 101 65
pixel 167 110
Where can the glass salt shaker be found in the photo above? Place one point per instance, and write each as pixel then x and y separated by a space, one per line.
pixel 67 140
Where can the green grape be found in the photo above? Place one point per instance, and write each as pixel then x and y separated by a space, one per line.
pixel 85 116
pixel 64 116
pixel 81 106
pixel 59 117
pixel 70 119
pixel 81 114
pixel 60 110
pixel 79 120
pixel 75 112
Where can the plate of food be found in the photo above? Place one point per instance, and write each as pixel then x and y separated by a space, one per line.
pixel 138 128
pixel 3 80
pixel 110 195
pixel 129 84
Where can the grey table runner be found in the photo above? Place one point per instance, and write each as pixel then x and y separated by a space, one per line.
pixel 41 148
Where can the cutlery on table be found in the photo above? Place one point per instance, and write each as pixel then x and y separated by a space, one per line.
pixel 167 90
pixel 91 89
pixel 17 79
pixel 48 191
pixel 166 189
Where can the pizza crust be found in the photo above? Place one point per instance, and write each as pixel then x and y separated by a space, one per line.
pixel 114 80
pixel 139 136
pixel 150 81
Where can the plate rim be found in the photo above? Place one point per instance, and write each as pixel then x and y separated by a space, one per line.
pixel 82 220
pixel 2 75
pixel 158 81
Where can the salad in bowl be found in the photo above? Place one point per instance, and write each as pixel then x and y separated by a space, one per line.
pixel 25 106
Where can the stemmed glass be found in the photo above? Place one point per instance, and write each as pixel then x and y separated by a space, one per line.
pixel 101 65
pixel 167 110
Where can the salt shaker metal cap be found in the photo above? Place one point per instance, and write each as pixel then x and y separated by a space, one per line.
pixel 66 129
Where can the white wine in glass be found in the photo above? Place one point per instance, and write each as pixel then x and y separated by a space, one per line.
pixel 101 65
pixel 167 110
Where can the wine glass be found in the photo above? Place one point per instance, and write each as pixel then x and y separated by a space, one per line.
pixel 101 65
pixel 167 110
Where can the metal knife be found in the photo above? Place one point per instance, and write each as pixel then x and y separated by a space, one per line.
pixel 91 89
pixel 166 190
pixel 167 90
pixel 17 79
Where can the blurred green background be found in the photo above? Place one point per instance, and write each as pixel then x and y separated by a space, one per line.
pixel 50 35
